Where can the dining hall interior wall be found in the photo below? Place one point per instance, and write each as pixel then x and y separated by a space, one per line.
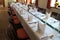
pixel 43 4
pixel 6 2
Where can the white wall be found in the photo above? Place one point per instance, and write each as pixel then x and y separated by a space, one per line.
pixel 28 2
pixel 42 3
pixel 6 2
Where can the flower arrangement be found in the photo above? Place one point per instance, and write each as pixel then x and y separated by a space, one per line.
pixel 56 4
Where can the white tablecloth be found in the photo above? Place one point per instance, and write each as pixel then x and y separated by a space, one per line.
pixel 44 31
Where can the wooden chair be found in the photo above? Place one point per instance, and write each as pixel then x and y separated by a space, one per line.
pixel 21 34
pixel 41 10
pixel 13 12
pixel 11 33
pixel 58 17
pixel 55 15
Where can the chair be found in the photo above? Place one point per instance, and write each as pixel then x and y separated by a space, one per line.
pixel 9 12
pixel 55 15
pixel 15 20
pixel 58 17
pixel 41 10
pixel 13 12
pixel 11 33
pixel 16 23
pixel 21 34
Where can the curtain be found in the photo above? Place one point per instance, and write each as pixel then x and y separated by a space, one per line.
pixel 3 3
pixel 16 0
pixel 26 1
pixel 30 1
pixel 48 4
pixel 36 2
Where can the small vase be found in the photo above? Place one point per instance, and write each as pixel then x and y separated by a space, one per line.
pixel 56 6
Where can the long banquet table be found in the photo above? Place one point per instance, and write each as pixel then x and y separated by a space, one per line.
pixel 31 20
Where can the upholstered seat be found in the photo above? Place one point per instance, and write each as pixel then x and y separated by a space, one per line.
pixel 15 20
pixel 22 35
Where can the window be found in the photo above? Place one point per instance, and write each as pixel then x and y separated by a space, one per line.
pixel 59 2
pixel 53 3
pixel 33 1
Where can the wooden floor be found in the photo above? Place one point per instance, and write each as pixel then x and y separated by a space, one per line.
pixel 3 23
